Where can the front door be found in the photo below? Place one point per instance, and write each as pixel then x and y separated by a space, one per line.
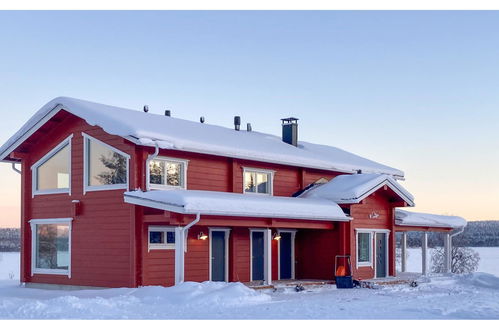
pixel 381 255
pixel 285 256
pixel 257 256
pixel 218 257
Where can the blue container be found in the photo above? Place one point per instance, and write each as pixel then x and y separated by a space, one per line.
pixel 344 282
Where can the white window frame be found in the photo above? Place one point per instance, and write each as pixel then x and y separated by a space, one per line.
pixel 41 161
pixel 183 162
pixel 227 234
pixel 293 238
pixel 271 174
pixel 86 186
pixel 160 246
pixel 364 263
pixel 55 221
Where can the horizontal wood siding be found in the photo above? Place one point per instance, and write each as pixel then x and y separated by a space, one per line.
pixel 378 203
pixel 101 246
pixel 315 253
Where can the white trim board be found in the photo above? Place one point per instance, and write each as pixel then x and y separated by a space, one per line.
pixel 33 224
pixel 226 237
pixel 293 257
pixel 34 169
pixel 151 186
pixel 86 186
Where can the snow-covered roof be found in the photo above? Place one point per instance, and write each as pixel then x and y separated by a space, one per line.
pixel 406 218
pixel 353 188
pixel 172 133
pixel 235 204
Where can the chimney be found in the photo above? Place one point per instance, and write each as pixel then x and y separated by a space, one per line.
pixel 237 123
pixel 168 113
pixel 290 130
pixel 146 108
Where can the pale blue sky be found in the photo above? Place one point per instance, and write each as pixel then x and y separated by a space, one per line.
pixel 418 91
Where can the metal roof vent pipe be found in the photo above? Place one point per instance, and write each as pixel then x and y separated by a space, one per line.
pixel 201 119
pixel 290 130
pixel 168 113
pixel 248 127
pixel 146 108
pixel 237 123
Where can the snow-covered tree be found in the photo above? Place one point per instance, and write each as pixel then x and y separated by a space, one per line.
pixel 463 258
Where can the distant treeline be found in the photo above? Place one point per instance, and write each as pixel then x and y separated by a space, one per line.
pixel 476 233
pixel 10 239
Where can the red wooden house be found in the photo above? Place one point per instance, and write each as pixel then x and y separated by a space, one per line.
pixel 113 197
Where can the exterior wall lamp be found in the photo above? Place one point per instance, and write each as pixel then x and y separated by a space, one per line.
pixel 276 236
pixel 202 236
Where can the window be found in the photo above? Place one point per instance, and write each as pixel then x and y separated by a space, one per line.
pixel 161 238
pixel 51 174
pixel 258 181
pixel 105 167
pixel 364 247
pixel 51 246
pixel 167 173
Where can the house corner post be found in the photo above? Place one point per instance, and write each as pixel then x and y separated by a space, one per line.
pixel 424 253
pixel 404 252
pixel 268 256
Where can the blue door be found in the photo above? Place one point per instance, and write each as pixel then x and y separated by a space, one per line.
pixel 218 256
pixel 257 261
pixel 381 255
pixel 285 256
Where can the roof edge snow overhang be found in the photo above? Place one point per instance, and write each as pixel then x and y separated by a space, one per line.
pixel 394 188
pixel 181 209
pixel 399 221
pixel 4 156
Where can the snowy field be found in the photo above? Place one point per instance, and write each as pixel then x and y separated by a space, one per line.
pixel 456 297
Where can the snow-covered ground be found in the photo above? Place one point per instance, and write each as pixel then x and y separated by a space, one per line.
pixel 456 297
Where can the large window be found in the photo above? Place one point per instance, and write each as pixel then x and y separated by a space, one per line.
pixel 161 238
pixel 258 181
pixel 51 246
pixel 364 247
pixel 167 173
pixel 51 174
pixel 105 167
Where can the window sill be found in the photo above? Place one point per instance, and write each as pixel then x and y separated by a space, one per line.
pixel 51 192
pixel 41 271
pixel 105 187
pixel 364 264
pixel 164 187
pixel 164 247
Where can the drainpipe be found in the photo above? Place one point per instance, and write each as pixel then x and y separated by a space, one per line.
pixel 180 248
pixel 15 169
pixel 149 158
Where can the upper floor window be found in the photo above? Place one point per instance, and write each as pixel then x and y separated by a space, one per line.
pixel 258 181
pixel 167 173
pixel 105 166
pixel 51 174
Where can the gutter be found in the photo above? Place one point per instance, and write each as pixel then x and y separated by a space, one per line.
pixel 15 169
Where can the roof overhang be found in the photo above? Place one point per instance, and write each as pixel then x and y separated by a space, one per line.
pixel 428 220
pixel 237 205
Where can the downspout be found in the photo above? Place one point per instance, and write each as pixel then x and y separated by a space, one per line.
pixel 180 248
pixel 149 158
pixel 15 169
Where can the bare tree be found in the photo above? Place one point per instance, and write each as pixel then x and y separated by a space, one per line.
pixel 463 258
